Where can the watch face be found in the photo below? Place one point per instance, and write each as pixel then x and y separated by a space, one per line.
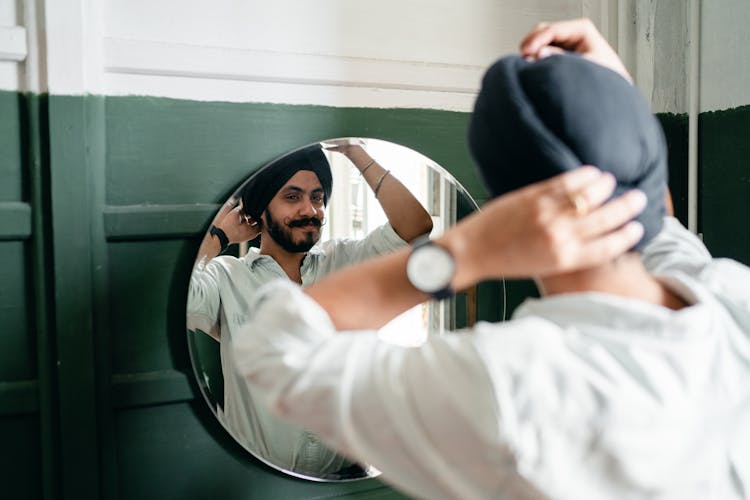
pixel 430 268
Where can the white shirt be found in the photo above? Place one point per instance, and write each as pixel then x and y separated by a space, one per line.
pixel 220 298
pixel 580 396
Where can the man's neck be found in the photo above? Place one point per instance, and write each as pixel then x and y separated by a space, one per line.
pixel 625 277
pixel 290 262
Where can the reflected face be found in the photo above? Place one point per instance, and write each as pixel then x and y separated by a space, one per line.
pixel 295 214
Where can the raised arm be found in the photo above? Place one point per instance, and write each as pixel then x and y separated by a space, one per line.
pixel 233 225
pixel 541 234
pixel 406 215
pixel 205 281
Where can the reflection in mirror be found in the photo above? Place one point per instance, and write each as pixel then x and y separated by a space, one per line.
pixel 304 215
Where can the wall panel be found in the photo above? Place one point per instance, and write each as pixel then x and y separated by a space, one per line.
pixel 182 460
pixel 17 345
pixel 11 188
pixel 27 415
pixel 19 470
pixel 173 162
pixel 725 182
pixel 147 294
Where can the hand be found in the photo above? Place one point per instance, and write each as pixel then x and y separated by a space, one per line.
pixel 577 35
pixel 342 145
pixel 559 225
pixel 355 152
pixel 237 226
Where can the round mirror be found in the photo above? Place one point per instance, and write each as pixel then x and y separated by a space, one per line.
pixel 304 215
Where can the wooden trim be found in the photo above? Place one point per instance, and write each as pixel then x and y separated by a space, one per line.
pixel 70 164
pixel 140 57
pixel 19 398
pixel 13 43
pixel 37 148
pixel 156 221
pixel 15 220
pixel 150 388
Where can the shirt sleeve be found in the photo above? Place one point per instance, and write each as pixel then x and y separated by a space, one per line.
pixel 675 249
pixel 394 407
pixel 379 241
pixel 203 296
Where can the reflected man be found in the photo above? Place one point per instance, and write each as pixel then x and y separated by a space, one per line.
pixel 285 204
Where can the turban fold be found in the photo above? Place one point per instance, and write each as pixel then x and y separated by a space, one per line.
pixel 263 186
pixel 534 120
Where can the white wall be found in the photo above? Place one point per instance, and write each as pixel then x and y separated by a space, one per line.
pixel 724 54
pixel 420 53
pixel 391 53
pixel 12 45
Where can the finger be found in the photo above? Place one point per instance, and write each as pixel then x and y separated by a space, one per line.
pixel 249 220
pixel 533 34
pixel 612 215
pixel 611 245
pixel 542 35
pixel 566 183
pixel 591 195
pixel 535 40
pixel 549 50
pixel 566 34
pixel 224 210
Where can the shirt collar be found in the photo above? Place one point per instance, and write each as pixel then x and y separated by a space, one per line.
pixel 253 255
pixel 602 311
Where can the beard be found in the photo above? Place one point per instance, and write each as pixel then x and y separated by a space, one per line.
pixel 281 233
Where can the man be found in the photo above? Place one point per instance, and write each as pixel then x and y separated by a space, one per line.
pixel 621 382
pixel 285 204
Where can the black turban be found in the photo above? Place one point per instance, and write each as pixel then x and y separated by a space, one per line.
pixel 534 120
pixel 263 186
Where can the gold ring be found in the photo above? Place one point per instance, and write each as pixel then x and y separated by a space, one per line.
pixel 579 203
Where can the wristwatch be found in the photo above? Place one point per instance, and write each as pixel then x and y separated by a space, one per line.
pixel 221 236
pixel 430 268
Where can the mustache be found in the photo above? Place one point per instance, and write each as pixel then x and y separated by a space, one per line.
pixel 304 222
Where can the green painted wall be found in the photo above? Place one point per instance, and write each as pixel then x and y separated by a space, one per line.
pixel 27 394
pixel 102 205
pixel 676 132
pixel 724 151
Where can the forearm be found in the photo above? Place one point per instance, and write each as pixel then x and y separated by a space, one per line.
pixel 368 295
pixel 538 235
pixel 210 248
pixel 404 212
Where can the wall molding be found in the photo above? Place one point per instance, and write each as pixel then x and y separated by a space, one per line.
pixel 19 397
pixel 13 43
pixel 15 220
pixel 156 221
pixel 181 70
pixel 148 388
pixel 174 59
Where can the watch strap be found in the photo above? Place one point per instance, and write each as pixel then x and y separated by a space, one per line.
pixel 221 236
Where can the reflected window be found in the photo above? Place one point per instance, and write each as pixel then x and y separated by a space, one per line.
pixel 354 212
